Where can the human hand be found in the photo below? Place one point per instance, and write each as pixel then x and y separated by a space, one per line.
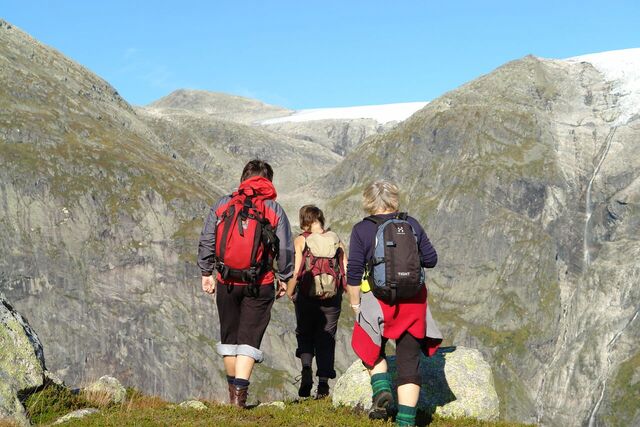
pixel 355 308
pixel 282 289
pixel 209 284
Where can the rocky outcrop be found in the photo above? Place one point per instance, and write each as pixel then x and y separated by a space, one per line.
pixel 456 382
pixel 21 362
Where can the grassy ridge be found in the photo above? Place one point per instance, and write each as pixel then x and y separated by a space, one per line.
pixel 45 406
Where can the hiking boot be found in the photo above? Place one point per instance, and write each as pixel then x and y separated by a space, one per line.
pixel 381 407
pixel 232 395
pixel 239 397
pixel 323 390
pixel 306 382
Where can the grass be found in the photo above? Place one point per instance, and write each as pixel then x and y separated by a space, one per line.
pixel 45 406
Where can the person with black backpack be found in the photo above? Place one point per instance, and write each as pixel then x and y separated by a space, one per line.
pixel 316 289
pixel 388 252
pixel 243 235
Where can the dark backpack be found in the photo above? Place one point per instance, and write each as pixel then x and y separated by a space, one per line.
pixel 321 273
pixel 395 272
pixel 246 242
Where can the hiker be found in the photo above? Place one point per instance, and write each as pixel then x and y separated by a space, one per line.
pixel 242 236
pixel 390 249
pixel 316 289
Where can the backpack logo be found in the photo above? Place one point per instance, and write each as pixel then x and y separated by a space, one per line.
pixel 400 229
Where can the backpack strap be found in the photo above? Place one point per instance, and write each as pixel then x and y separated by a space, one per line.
pixel 402 215
pixel 374 219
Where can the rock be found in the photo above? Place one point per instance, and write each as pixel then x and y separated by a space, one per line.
pixel 456 382
pixel 21 362
pixel 80 413
pixel 10 406
pixel 52 377
pixel 110 387
pixel 277 404
pixel 193 404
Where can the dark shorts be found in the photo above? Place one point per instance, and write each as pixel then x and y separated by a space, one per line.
pixel 408 350
pixel 243 319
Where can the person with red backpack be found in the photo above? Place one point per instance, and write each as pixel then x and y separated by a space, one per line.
pixel 244 234
pixel 388 252
pixel 316 290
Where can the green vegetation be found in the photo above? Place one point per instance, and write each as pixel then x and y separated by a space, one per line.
pixel 624 399
pixel 52 402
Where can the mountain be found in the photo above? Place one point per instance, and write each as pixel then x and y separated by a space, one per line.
pixel 528 182
pixel 101 207
pixel 217 105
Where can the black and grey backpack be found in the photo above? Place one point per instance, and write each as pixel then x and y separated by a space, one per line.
pixel 395 272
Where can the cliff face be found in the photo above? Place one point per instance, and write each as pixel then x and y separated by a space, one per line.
pixel 528 183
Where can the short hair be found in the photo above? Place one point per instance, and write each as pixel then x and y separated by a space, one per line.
pixel 257 167
pixel 310 214
pixel 381 196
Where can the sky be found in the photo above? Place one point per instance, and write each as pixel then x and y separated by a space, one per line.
pixel 313 54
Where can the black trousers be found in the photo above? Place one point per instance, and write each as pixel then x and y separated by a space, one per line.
pixel 316 325
pixel 408 349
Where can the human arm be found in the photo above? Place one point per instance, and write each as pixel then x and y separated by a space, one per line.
pixel 286 250
pixel 207 244
pixel 298 245
pixel 354 297
pixel 356 262
pixel 356 259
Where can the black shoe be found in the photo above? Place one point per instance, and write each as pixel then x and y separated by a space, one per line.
pixel 381 407
pixel 306 382
pixel 323 390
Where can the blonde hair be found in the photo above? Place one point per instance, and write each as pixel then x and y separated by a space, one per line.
pixel 381 196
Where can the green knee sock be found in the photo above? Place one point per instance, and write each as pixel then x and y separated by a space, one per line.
pixel 406 416
pixel 380 382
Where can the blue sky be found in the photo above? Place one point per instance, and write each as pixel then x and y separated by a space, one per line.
pixel 306 54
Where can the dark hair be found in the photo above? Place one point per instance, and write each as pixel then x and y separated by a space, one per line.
pixel 310 214
pixel 257 167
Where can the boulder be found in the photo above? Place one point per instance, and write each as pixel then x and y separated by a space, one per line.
pixel 276 404
pixel 193 404
pixel 108 387
pixel 456 382
pixel 80 413
pixel 21 362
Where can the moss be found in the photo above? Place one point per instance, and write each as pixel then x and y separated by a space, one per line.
pixel 624 394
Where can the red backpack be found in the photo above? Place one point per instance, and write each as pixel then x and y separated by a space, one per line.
pixel 246 242
pixel 321 273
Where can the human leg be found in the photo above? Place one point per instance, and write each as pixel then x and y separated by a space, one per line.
pixel 306 318
pixel 382 399
pixel 255 313
pixel 228 302
pixel 325 344
pixel 409 378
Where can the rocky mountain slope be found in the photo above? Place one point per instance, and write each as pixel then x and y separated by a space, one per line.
pixel 100 213
pixel 528 182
